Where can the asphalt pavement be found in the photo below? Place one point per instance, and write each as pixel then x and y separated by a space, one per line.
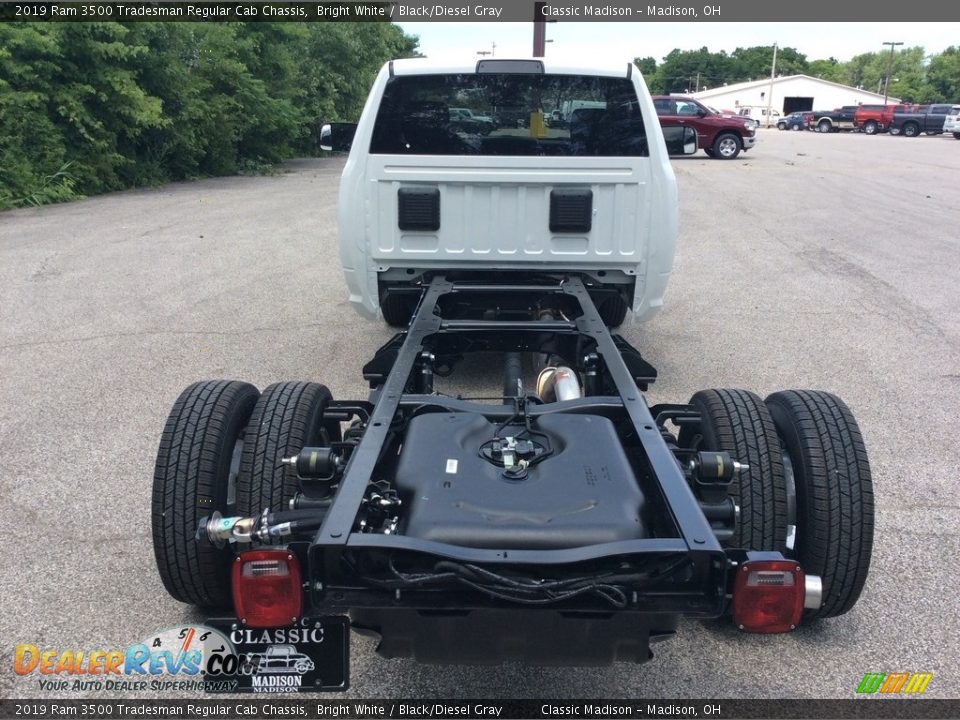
pixel 813 261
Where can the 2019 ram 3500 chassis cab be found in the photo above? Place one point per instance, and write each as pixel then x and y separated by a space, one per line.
pixel 566 522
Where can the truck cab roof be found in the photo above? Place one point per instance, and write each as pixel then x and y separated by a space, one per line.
pixel 428 66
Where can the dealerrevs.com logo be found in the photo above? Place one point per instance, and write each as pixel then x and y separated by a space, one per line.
pixel 174 659
pixel 894 683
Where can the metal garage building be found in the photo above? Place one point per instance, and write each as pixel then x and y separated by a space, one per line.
pixel 791 93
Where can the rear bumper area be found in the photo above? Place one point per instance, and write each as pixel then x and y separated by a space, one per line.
pixel 494 636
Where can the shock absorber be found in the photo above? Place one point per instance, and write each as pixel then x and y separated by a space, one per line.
pixel 512 374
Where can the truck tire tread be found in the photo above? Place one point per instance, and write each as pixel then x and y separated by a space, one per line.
pixel 288 417
pixel 190 481
pixel 738 422
pixel 835 513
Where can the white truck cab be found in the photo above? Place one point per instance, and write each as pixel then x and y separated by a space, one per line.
pixel 420 195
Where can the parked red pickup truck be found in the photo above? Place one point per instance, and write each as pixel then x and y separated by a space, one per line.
pixel 719 136
pixel 872 119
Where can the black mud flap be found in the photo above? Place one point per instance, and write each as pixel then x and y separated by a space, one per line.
pixel 494 636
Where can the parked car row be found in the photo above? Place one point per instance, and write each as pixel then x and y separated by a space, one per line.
pixel 909 120
pixel 795 121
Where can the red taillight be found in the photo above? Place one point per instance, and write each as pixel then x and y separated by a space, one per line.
pixel 266 588
pixel 768 596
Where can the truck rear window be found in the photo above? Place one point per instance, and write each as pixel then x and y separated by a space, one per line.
pixel 509 114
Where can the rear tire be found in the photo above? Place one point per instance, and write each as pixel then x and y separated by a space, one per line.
pixel 834 493
pixel 870 127
pixel 737 422
pixel 190 481
pixel 397 309
pixel 824 126
pixel 287 417
pixel 781 126
pixel 911 130
pixel 796 127
pixel 956 136
pixel 727 146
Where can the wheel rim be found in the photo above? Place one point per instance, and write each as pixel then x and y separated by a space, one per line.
pixel 824 127
pixel 727 147
pixel 870 129
pixel 910 131
pixel 788 475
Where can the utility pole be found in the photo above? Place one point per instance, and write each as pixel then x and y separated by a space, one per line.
pixel 696 88
pixel 886 83
pixel 539 30
pixel 773 72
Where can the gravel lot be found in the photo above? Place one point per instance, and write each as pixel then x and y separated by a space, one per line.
pixel 823 261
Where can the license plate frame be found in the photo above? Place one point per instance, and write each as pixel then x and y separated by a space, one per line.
pixel 312 655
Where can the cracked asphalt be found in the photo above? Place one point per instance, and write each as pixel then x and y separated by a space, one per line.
pixel 819 261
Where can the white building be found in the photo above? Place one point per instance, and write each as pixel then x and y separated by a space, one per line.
pixel 791 93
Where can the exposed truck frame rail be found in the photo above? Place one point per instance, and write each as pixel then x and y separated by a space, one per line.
pixel 701 594
pixel 344 531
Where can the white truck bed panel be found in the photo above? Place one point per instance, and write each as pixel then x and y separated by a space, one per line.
pixel 501 213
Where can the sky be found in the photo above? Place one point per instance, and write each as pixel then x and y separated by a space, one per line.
pixel 627 40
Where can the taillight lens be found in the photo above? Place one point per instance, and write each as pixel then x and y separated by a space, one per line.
pixel 266 588
pixel 768 596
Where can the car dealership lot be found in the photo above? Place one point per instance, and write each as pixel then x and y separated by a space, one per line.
pixel 824 261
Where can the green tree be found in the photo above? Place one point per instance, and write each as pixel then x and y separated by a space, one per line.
pixel 829 69
pixel 97 103
pixel 943 76
pixel 753 63
pixel 32 146
pixel 647 65
pixel 681 70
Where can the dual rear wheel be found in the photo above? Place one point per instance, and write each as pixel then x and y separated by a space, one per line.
pixel 808 491
pixel 220 451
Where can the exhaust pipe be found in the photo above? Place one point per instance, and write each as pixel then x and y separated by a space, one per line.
pixel 558 384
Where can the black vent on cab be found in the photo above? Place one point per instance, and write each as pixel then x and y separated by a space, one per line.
pixel 419 208
pixel 571 210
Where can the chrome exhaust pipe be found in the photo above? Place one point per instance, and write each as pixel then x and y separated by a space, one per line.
pixel 558 384
pixel 812 592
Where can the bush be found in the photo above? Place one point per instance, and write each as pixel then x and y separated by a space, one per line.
pixel 91 107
